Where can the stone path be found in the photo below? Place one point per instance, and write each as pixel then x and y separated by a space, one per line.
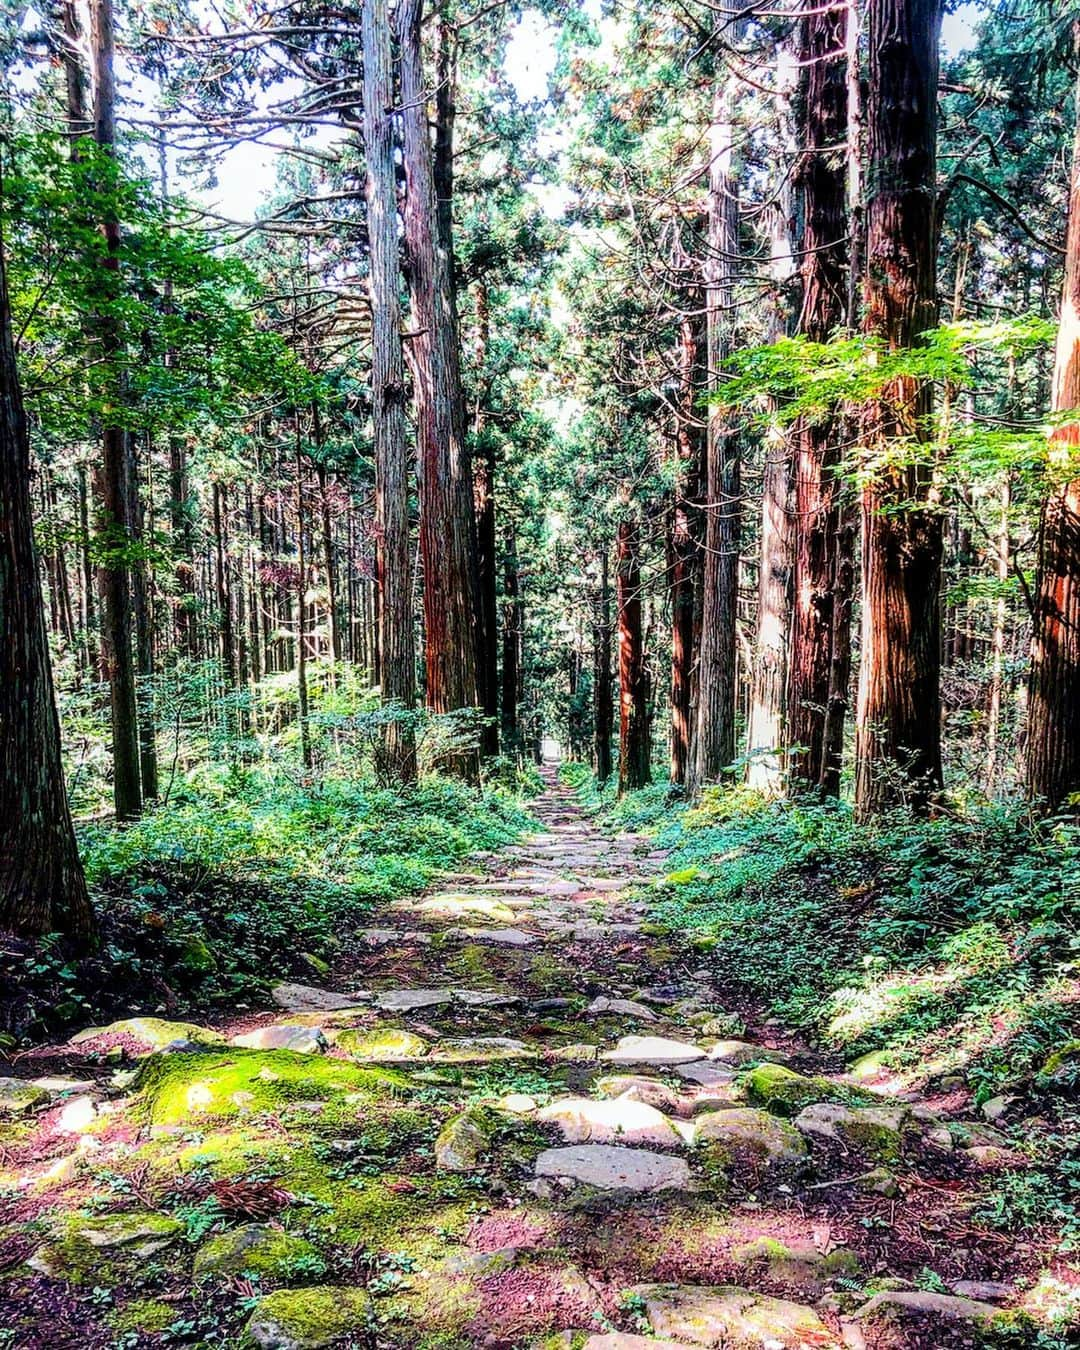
pixel 519 1118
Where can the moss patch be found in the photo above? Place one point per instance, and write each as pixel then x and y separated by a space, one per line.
pixel 308 1318
pixel 785 1092
pixel 107 1247
pixel 260 1249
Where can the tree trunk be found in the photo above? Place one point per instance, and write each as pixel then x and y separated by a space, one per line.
pixel 487 563
pixel 997 640
pixel 816 607
pixel 1053 729
pixel 511 646
pixel 42 887
pixel 767 722
pixel 898 748
pixel 397 675
pixel 447 522
pixel 114 526
pixel 142 605
pixel 301 608
pixel 684 553
pixel 714 731
pixel 634 749
pixel 604 711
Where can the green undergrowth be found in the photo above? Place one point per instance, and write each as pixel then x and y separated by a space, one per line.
pixel 951 943
pixel 243 877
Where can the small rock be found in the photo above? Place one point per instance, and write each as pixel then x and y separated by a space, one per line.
pixel 516 1104
pixel 509 937
pixel 708 1075
pixel 940 1137
pixel 782 1090
pixel 800 1266
pixel 462 1142
pixel 652 1050
pixel 381 1043
pixel 877 1131
pixel 464 1049
pixel 582 1120
pixel 76 1115
pixel 887 1310
pixel 984 1291
pixel 745 1052
pixel 624 1007
pixel 996 1107
pixel 480 998
pixel 300 1040
pixel 577 1050
pixel 58 1085
pixel 306 998
pixel 611 1169
pixel 639 1089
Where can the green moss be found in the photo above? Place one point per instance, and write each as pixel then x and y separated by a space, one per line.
pixel 144 1314
pixel 308 1318
pixel 190 1089
pixel 110 1247
pixel 155 1032
pixel 1066 1056
pixel 785 1092
pixel 382 1043
pixel 259 1249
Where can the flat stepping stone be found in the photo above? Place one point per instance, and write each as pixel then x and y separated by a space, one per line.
pixel 745 1052
pixel 509 937
pixel 465 1049
pixel 724 1315
pixel 745 1136
pixel 618 1120
pixel 385 937
pixel 652 1050
pixel 705 1074
pixel 410 1000
pixel 609 1168
pixel 454 906
pixel 638 1089
pixel 625 1007
pixel 480 998
pixel 18 1096
pixel 306 998
pixel 622 1340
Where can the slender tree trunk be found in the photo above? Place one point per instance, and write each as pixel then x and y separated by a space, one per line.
pixel 767 723
pixel 397 673
pixel 487 562
pixel 634 756
pixel 142 604
pixel 447 521
pixel 604 711
pixel 818 610
pixel 898 753
pixel 221 583
pixel 511 646
pixel 1053 729
pixel 42 887
pixel 301 607
pixel 684 555
pixel 997 641
pixel 329 566
pixel 114 526
pixel 714 731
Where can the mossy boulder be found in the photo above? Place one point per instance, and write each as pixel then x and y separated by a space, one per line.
pixel 260 1249
pixel 195 957
pixel 190 1089
pixel 18 1096
pixel 145 1314
pixel 153 1033
pixel 876 1132
pixel 1062 1068
pixel 785 1092
pixel 307 1319
pixel 738 1319
pixel 381 1043
pixel 799 1265
pixel 748 1143
pixel 913 1312
pixel 463 1141
pixel 106 1246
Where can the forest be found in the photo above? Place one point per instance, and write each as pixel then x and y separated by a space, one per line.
pixel 540 674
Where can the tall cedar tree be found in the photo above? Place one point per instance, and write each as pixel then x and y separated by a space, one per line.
pixel 816 604
pixel 1053 737
pixel 42 887
pixel 447 521
pixel 634 738
pixel 898 743
pixel 397 675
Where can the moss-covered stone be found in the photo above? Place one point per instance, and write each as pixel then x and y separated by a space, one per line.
pixel 380 1043
pixel 748 1144
pixel 196 959
pixel 193 1088
pixel 1062 1066
pixel 307 1319
pixel 105 1246
pixel 145 1314
pixel 260 1249
pixel 18 1096
pixel 875 1132
pixel 463 1141
pixel 785 1092
pixel 153 1032
pixel 800 1266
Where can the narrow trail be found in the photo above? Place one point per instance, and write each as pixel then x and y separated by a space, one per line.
pixel 514 1116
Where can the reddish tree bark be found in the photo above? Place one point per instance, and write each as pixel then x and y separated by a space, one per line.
pixel 447 522
pixel 42 887
pixel 898 748
pixel 819 541
pixel 603 703
pixel 1053 731
pixel 397 647
pixel 634 756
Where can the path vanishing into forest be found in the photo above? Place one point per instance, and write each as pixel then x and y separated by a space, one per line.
pixel 513 1115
